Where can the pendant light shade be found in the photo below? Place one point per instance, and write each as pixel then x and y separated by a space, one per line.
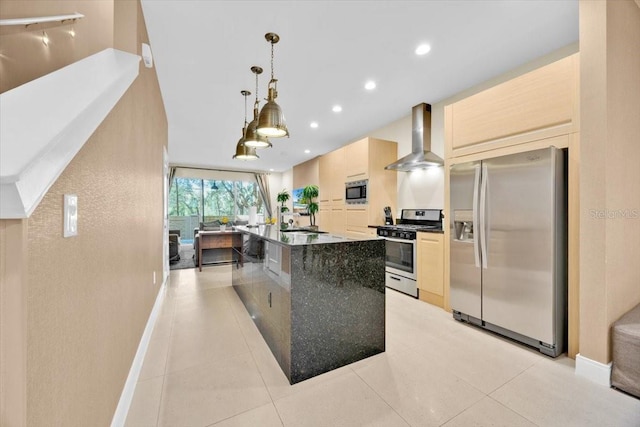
pixel 242 151
pixel 271 122
pixel 252 137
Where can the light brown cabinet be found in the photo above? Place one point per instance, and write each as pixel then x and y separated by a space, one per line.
pixel 323 217
pixel 540 104
pixel 338 218
pixel 332 176
pixel 332 218
pixel 357 218
pixel 363 159
pixel 430 258
pixel 358 163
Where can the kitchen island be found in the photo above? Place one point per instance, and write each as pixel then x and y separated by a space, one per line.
pixel 317 299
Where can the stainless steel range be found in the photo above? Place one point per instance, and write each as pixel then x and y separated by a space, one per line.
pixel 401 266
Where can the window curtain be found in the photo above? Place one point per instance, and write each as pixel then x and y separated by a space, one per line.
pixel 172 174
pixel 263 184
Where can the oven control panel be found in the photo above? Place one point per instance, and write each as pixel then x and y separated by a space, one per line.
pixel 397 234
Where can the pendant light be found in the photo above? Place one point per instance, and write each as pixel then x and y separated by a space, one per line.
pixel 252 137
pixel 242 151
pixel 271 122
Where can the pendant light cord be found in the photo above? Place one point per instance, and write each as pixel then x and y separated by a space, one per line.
pixel 245 112
pixel 257 100
pixel 272 59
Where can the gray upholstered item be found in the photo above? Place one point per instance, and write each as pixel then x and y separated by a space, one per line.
pixel 625 338
pixel 174 245
pixel 210 226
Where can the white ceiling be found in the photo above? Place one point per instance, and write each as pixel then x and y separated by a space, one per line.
pixel 203 51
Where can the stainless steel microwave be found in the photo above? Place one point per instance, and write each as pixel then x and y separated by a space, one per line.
pixel 356 192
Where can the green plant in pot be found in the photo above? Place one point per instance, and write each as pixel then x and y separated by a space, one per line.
pixel 283 197
pixel 309 193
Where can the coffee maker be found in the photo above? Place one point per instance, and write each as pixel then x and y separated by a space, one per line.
pixel 388 218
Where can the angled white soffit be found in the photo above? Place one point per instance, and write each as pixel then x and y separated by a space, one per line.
pixel 44 123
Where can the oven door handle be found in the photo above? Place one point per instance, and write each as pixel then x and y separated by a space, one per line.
pixel 409 242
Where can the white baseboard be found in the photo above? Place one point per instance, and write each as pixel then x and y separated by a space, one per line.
pixel 120 416
pixel 597 372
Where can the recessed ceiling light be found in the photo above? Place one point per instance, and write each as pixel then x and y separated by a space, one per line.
pixel 307 151
pixel 370 85
pixel 314 124
pixel 423 49
pixel 336 109
pixel 271 170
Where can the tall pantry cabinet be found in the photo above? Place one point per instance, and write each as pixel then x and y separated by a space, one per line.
pixel 361 160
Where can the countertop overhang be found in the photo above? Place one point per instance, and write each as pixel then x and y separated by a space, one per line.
pixel 45 122
pixel 296 238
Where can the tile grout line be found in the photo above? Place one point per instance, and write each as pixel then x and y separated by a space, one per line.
pixel 166 360
pixel 508 382
pixel 173 315
pixel 253 357
pixel 273 401
pixel 381 398
pixel 414 351
pixel 514 411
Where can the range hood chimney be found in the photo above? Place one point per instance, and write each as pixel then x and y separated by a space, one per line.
pixel 421 156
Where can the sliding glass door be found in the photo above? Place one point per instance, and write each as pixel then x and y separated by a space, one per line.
pixel 192 201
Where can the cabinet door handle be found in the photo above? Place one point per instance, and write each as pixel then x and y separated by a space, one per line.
pixel 269 299
pixel 395 278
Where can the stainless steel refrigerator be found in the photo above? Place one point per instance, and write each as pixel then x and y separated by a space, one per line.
pixel 508 252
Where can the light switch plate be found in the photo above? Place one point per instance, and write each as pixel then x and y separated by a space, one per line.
pixel 147 56
pixel 70 215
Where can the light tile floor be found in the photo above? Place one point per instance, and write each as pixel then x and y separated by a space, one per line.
pixel 207 365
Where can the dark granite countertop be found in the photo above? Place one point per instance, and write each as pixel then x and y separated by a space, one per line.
pixel 296 237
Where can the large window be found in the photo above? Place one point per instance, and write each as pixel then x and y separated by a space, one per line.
pixel 192 201
pixel 210 200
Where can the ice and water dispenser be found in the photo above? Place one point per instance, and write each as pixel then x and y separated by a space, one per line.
pixel 463 224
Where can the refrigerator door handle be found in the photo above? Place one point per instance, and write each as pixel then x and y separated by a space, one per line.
pixel 483 216
pixel 476 224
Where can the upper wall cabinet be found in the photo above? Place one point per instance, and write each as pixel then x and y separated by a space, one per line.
pixel 366 159
pixel 332 176
pixel 358 155
pixel 542 103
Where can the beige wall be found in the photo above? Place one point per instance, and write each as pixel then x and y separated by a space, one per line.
pixel 609 173
pixel 13 322
pixel 23 56
pixel 88 297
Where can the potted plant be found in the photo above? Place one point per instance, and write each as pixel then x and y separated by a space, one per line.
pixel 223 223
pixel 309 193
pixel 283 197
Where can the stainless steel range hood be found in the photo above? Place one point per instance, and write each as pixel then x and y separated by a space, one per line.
pixel 421 156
